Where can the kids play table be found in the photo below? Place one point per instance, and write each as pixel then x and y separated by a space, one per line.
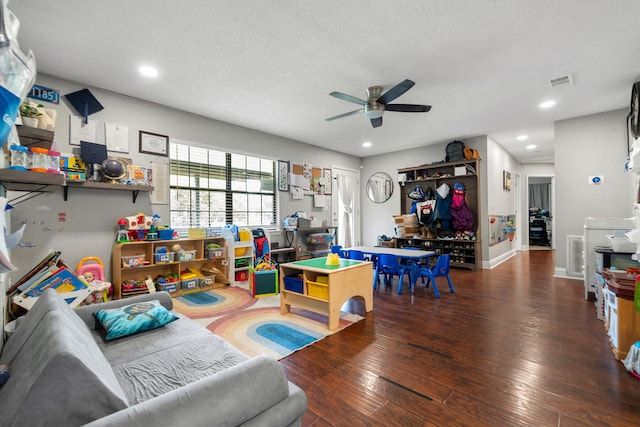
pixel 315 286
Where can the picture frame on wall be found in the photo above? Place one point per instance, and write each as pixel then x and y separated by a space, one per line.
pixel 326 173
pixel 506 180
pixel 154 143
pixel 283 175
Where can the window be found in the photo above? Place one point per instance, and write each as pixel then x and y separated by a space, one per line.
pixel 211 188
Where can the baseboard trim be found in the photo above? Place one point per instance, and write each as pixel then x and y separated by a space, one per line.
pixel 562 273
pixel 488 265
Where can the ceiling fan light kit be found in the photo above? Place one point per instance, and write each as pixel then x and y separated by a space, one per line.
pixel 377 102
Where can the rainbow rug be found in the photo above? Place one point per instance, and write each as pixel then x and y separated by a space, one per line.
pixel 255 325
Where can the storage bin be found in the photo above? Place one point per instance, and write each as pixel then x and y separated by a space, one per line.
pixel 213 252
pixel 169 287
pixel 242 276
pixel 189 283
pixel 163 257
pixel 318 290
pixel 166 234
pixel 293 283
pixel 133 261
pixel 207 281
pixel 187 255
pixel 319 239
pixel 242 262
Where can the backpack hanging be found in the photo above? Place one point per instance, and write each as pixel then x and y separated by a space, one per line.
pixel 462 218
pixel 457 199
pixel 417 194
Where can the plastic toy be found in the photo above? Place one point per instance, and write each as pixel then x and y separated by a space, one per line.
pixel 141 227
pixel 333 259
pixel 92 270
pixel 152 234
pixel 122 235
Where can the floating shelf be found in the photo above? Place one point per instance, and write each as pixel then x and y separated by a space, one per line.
pixel 34 137
pixel 16 180
pixel 135 189
pixel 38 182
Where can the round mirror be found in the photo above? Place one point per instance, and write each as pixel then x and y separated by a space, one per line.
pixel 379 187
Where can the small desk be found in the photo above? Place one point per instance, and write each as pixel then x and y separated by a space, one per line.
pixel 414 256
pixel 349 279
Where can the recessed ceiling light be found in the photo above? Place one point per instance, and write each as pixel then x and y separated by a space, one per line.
pixel 366 144
pixel 547 104
pixel 522 137
pixel 147 71
pixel 531 146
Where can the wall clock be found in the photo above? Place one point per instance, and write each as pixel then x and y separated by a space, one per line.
pixel 634 110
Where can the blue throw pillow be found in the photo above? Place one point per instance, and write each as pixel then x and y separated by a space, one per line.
pixel 133 318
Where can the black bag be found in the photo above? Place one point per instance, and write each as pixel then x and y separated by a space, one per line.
pixel 455 151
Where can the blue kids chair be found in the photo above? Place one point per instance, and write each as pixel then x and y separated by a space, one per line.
pixel 357 255
pixel 389 266
pixel 440 269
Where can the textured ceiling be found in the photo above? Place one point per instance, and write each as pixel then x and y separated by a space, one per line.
pixel 483 65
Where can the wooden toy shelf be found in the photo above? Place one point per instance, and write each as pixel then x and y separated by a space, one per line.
pixel 134 251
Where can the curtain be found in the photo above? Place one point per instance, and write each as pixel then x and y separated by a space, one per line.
pixel 346 190
pixel 539 196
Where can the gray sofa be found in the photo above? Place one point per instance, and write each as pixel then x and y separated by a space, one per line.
pixel 63 373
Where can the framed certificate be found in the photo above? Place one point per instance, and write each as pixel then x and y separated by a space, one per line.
pixel 153 143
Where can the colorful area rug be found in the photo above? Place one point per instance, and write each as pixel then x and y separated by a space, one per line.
pixel 255 325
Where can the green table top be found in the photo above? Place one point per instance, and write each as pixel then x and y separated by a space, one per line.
pixel 322 263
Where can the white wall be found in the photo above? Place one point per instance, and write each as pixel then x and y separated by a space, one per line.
pixel 586 146
pixel 499 201
pixel 377 218
pixel 91 215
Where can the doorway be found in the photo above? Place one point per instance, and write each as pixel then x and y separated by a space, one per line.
pixel 345 205
pixel 540 222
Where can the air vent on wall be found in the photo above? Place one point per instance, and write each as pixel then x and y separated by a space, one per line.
pixel 563 80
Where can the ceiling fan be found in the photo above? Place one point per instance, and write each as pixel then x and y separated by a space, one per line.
pixel 377 103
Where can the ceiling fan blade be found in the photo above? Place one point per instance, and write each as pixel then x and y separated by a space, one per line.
pixel 376 123
pixel 339 116
pixel 396 91
pixel 348 98
pixel 408 108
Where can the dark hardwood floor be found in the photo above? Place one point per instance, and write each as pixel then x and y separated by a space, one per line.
pixel 513 346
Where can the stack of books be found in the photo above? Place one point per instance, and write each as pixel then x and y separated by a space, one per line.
pixel 50 272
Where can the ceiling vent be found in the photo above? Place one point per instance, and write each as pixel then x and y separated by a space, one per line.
pixel 563 81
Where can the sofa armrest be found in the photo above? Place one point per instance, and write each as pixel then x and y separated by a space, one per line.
pixel 228 398
pixel 86 311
